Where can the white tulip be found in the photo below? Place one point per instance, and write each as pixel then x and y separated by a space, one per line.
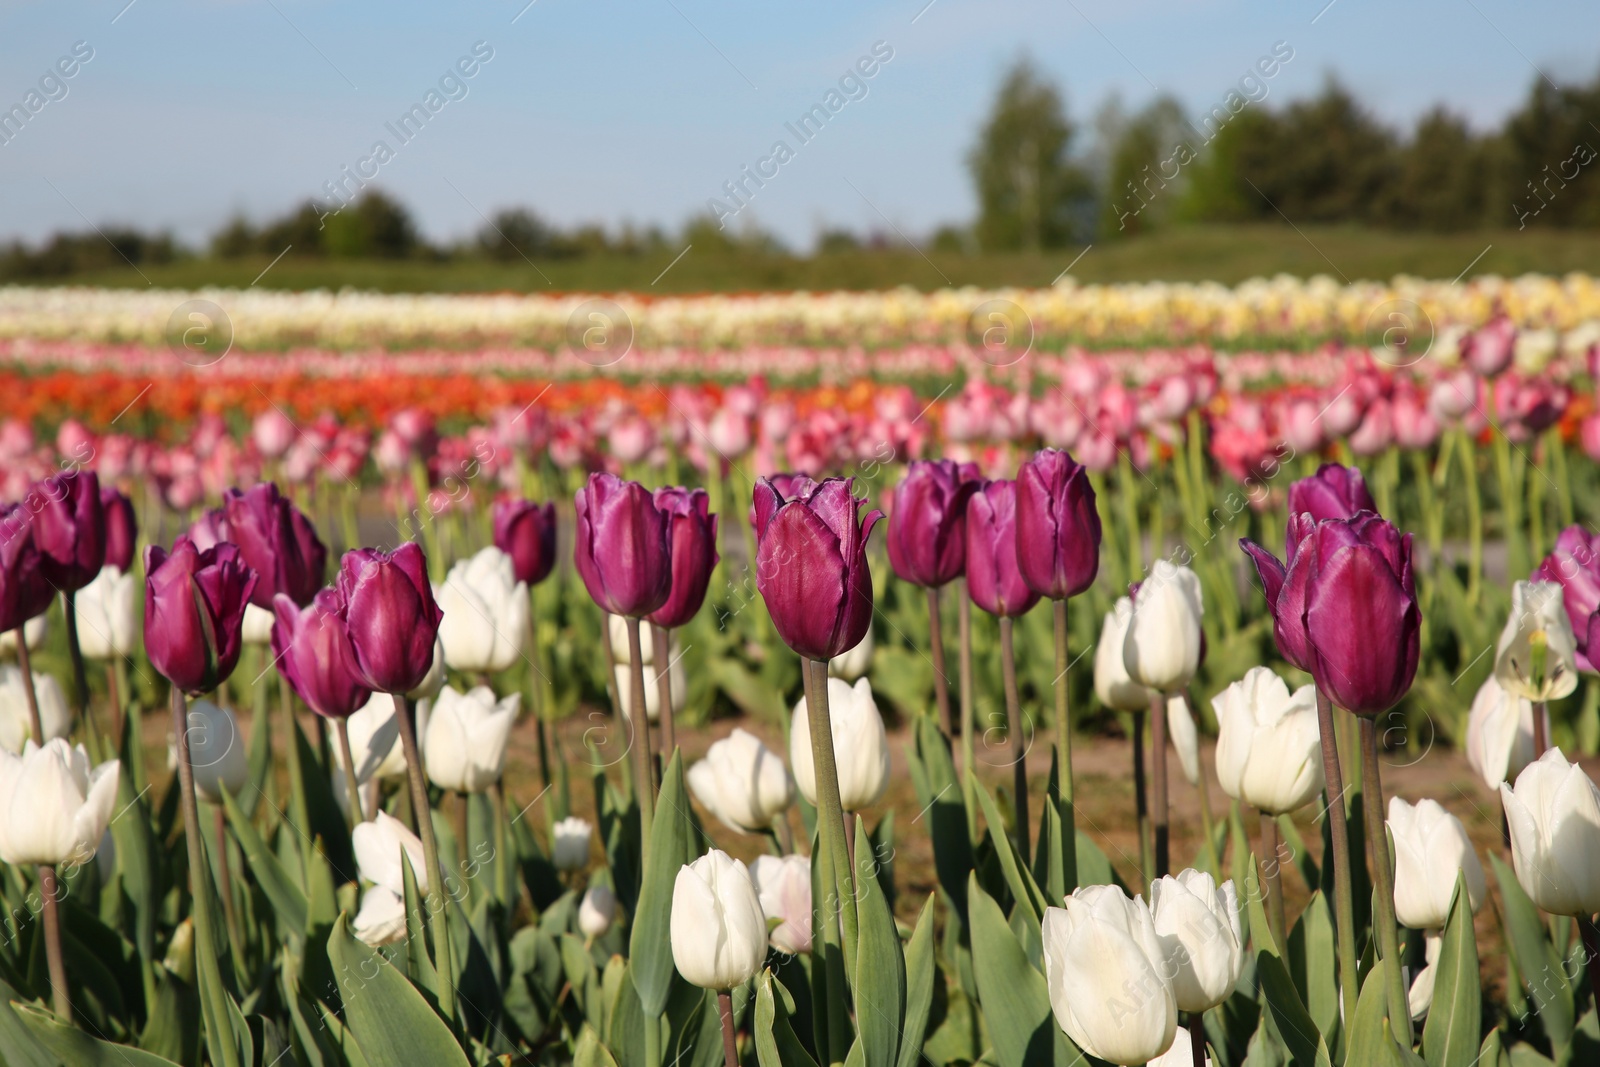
pixel 852 663
pixel 569 843
pixel 1185 736
pixel 719 932
pixel 1269 744
pixel 742 782
pixel 109 611
pixel 1181 1054
pixel 15 723
pixel 1420 997
pixel 256 629
pixel 33 631
pixel 382 918
pixel 1199 925
pixel 597 911
pixel 218 753
pixel 380 844
pixel 783 883
pixel 1430 847
pixel 1162 648
pixel 54 807
pixel 431 682
pixel 485 613
pixel 676 675
pixel 465 747
pixel 1104 964
pixel 375 740
pixel 860 746
pixel 1554 815
pixel 1537 656
pixel 617 627
pixel 1111 682
pixel 368 791
pixel 1500 733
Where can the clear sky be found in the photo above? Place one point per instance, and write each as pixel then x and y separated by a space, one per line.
pixel 193 110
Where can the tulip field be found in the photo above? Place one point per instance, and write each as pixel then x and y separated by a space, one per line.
pixel 733 679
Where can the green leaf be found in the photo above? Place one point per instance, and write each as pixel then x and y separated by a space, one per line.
pixel 281 891
pixel 1012 994
pixel 1313 960
pixel 1302 855
pixel 388 1017
pixel 62 1044
pixel 1450 1037
pixel 1020 880
pixel 880 986
pixel 776 1043
pixel 922 972
pixel 650 940
pixel 1540 967
pixel 136 855
pixel 939 793
pixel 590 1052
pixel 419 965
pixel 1372 1037
pixel 1260 931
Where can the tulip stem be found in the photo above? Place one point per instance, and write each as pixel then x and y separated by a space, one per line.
pixel 730 1047
pixel 968 782
pixel 1019 758
pixel 830 809
pixel 1383 882
pixel 1141 803
pixel 80 678
pixel 230 915
pixel 114 698
pixel 61 997
pixel 1067 811
pixel 352 787
pixel 439 920
pixel 661 638
pixel 1197 1037
pixel 1590 934
pixel 1469 463
pixel 1541 739
pixel 643 780
pixel 1343 895
pixel 26 671
pixel 828 950
pixel 1158 781
pixel 299 817
pixel 1272 876
pixel 941 681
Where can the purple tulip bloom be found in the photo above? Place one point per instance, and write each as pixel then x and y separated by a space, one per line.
pixel 789 485
pixel 622 553
pixel 1575 564
pixel 692 540
pixel 194 605
pixel 1334 492
pixel 122 528
pixel 390 615
pixel 994 574
pixel 211 528
pixel 69 527
pixel 928 526
pixel 24 593
pixel 526 532
pixel 311 647
pixel 275 539
pixel 1058 527
pixel 811 565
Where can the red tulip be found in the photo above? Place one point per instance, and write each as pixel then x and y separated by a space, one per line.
pixel 927 523
pixel 622 551
pixel 275 539
pixel 312 649
pixel 994 574
pixel 122 528
pixel 194 605
pixel 69 527
pixel 390 614
pixel 1058 527
pixel 526 532
pixel 692 536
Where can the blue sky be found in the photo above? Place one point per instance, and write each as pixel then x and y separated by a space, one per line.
pixel 192 110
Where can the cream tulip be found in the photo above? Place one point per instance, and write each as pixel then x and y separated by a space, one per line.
pixel 853 662
pixel 1420 997
pixel 381 919
pixel 1269 745
pixel 1500 733
pixel 860 746
pixel 1111 682
pixel 431 682
pixel 1185 736
pixel 15 722
pixel 256 629
pixel 1430 848
pixel 33 631
pixel 464 749
pixel 1537 656
pixel 1105 965
pixel 1202 935
pixel 54 807
pixel 109 612
pixel 1181 1054
pixel 380 844
pixel 218 753
pixel 1162 648
pixel 597 911
pixel 375 740
pixel 617 627
pixel 718 930
pixel 569 843
pixel 486 613
pixel 742 782
pixel 1554 815
pixel 783 884
pixel 676 676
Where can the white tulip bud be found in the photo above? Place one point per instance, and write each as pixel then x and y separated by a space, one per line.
pixel 1185 736
pixel 1554 815
pixel 852 663
pixel 382 918
pixel 1199 925
pixel 109 611
pixel 597 911
pixel 16 724
pixel 1500 733
pixel 719 932
pixel 54 807
pixel 256 629
pixel 569 843
pixel 742 782
pixel 380 844
pixel 1111 682
pixel 676 675
pixel 465 747
pixel 783 883
pixel 1537 655
pixel 1269 744
pixel 217 751
pixel 860 746
pixel 375 740
pixel 1162 648
pixel 1420 997
pixel 617 627
pixel 35 629
pixel 486 613
pixel 1430 848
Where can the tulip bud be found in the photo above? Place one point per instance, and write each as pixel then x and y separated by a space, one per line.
pixel 1104 965
pixel 1500 734
pixel 193 610
pixel 69 526
pixel 622 550
pixel 275 539
pixel 811 565
pixel 375 739
pixel 381 843
pixel 994 575
pixel 1164 642
pixel 122 528
pixel 1185 736
pixel 1058 526
pixel 597 911
pixel 486 613
pixel 33 633
pixel 108 614
pixel 1420 997
pixel 852 663
pixel 860 746
pixel 16 723
pixel 569 843
pixel 1553 812
pixel 1488 349
pixel 390 615
pixel 311 647
pixel 526 532
pixel 678 677
pixel 1198 923
pixel 1111 682
pixel 692 544
pixel 24 592
pixel 719 932
pixel 1537 655
pixel 1430 848
pixel 465 746
pixel 1334 492
pixel 927 527
pixel 216 751
pixel 783 885
pixel 381 919
pixel 1269 744
pixel 54 807
pixel 742 782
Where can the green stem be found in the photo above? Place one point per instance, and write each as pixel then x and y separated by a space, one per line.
pixel 1158 783
pixel 352 788
pixel 1556 448
pixel 661 641
pixel 26 670
pixel 968 771
pixel 1272 877
pixel 828 951
pixel 1130 510
pixel 1066 806
pixel 61 996
pixel 1344 899
pixel 643 775
pixel 1019 759
pixel 1141 804
pixel 439 918
pixel 1383 883
pixel 1469 463
pixel 941 680
pixel 830 809
pixel 80 678
pixel 298 813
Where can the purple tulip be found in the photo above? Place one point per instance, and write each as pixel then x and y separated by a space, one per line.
pixel 194 605
pixel 69 527
pixel 994 572
pixel 692 540
pixel 1334 492
pixel 811 565
pixel 622 553
pixel 211 528
pixel 275 539
pixel 526 532
pixel 1058 527
pixel 1345 608
pixel 23 591
pixel 311 647
pixel 789 486
pixel 1575 564
pixel 390 614
pixel 122 528
pixel 927 528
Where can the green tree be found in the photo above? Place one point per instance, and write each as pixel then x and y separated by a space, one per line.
pixel 374 226
pixel 1145 176
pixel 1442 178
